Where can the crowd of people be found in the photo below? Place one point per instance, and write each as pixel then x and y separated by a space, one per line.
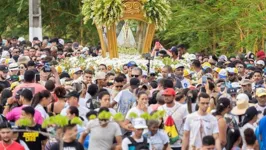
pixel 218 103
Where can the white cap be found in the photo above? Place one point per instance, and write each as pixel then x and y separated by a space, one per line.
pixel 13 66
pixel 180 66
pixel 260 62
pixel 139 123
pixel 242 96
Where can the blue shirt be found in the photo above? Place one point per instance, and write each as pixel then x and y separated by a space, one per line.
pixel 262 131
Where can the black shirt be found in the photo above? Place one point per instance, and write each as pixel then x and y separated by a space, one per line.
pixel 33 139
pixel 75 145
pixel 5 84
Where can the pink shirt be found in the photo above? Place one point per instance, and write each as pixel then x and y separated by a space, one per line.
pixel 34 87
pixel 15 114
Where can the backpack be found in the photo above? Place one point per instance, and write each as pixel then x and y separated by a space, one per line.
pixel 138 146
pixel 170 128
pixel 92 104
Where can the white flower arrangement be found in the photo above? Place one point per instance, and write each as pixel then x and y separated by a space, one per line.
pixel 116 64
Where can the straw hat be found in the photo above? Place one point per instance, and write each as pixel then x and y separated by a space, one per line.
pixel 241 106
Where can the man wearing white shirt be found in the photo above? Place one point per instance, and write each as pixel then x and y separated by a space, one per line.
pixel 176 111
pixel 72 99
pixel 200 124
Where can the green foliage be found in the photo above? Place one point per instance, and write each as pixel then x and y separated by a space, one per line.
pixel 76 120
pixel 60 121
pixel 118 117
pixel 215 26
pixel 24 122
pixel 133 115
pixel 105 115
pixel 60 18
pixel 158 12
pixel 91 117
pixel 145 116
pixel 103 12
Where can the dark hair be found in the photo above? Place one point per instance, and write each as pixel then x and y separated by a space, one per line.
pixel 103 109
pixel 27 94
pixel 222 104
pixel 191 98
pixel 168 84
pixel 87 71
pixel 211 86
pixel 29 76
pixel 249 136
pixel 91 113
pixel 122 75
pixel 196 63
pixel 74 110
pixel 60 92
pixel 4 125
pixel 39 96
pixel 102 94
pixel 232 136
pixel 29 110
pixel 250 113
pixel 92 89
pixel 6 93
pixel 50 85
pixel 161 126
pixel 119 79
pixel 109 74
pixel 181 46
pixel 68 127
pixel 103 65
pixel 208 140
pixel 203 95
pixel 154 84
pixel 141 93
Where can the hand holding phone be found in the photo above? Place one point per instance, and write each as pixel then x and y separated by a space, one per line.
pixel 204 80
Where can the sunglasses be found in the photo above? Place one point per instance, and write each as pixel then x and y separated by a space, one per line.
pixel 134 76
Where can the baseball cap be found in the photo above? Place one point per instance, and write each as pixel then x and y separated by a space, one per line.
pixel 169 91
pixel 260 62
pixel 232 70
pixel 174 49
pixel 139 123
pixel 72 94
pixel 222 74
pixel 131 63
pixel 260 92
pixel 75 70
pixel 232 91
pixel 180 66
pixel 206 65
pixel 4 68
pixel 35 38
pixel 245 82
pixel 260 54
pixel 250 56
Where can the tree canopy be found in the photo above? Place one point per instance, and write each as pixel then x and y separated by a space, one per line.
pixel 220 26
